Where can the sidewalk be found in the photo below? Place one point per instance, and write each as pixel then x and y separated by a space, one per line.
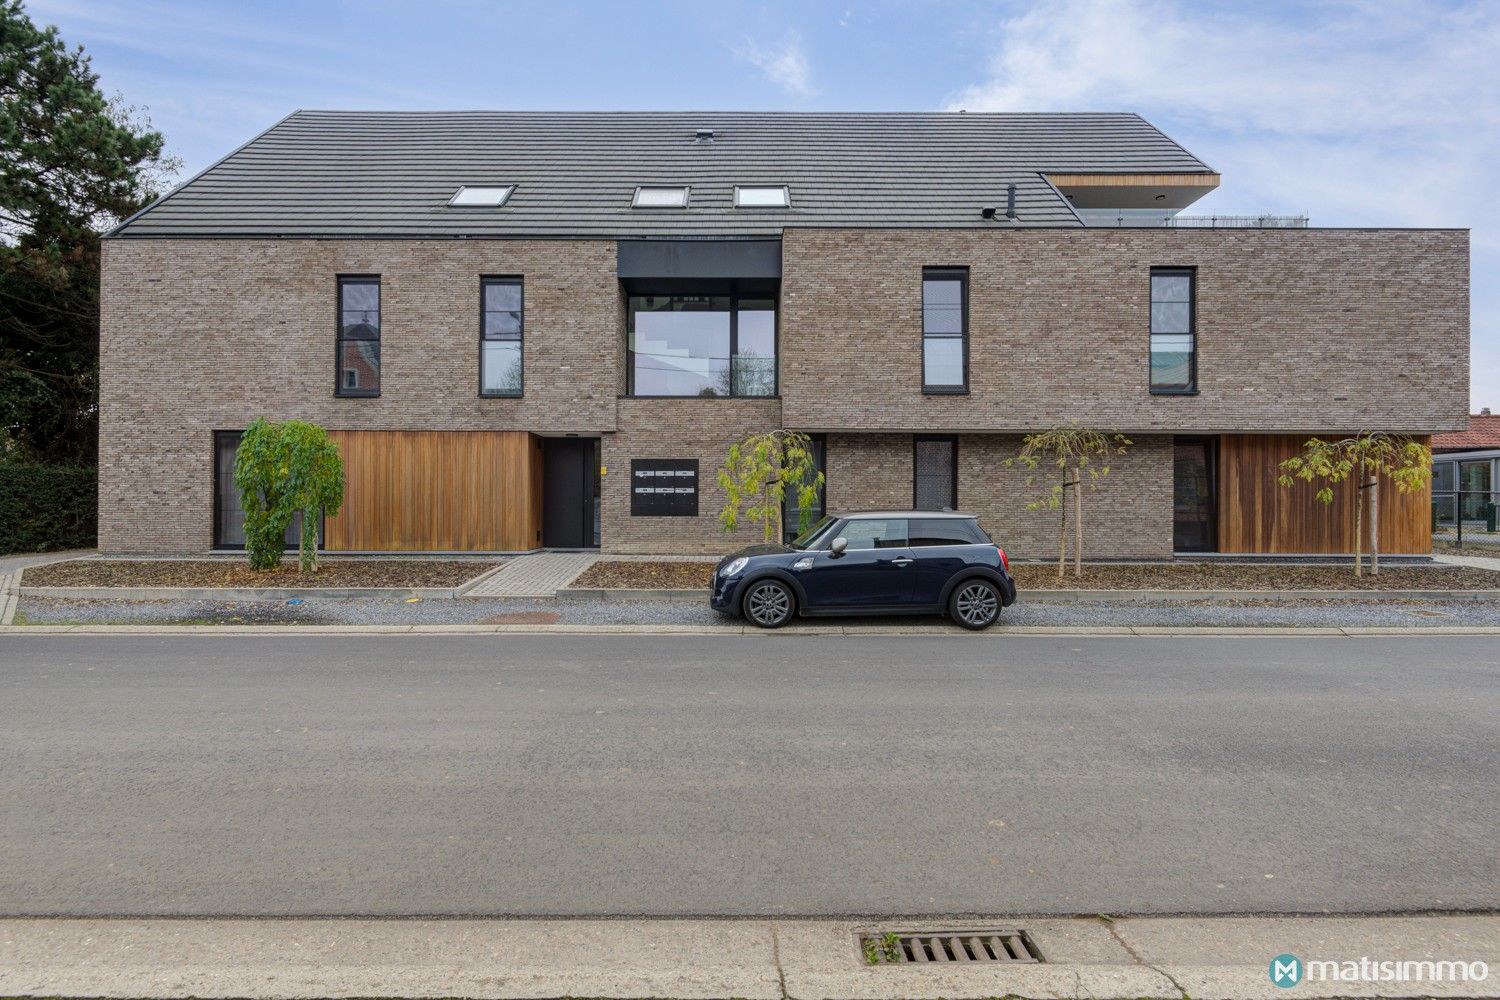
pixel 539 574
pixel 1202 958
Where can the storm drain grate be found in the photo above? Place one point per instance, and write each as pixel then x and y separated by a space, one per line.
pixel 936 947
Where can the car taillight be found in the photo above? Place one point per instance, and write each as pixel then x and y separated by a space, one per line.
pixel 1004 561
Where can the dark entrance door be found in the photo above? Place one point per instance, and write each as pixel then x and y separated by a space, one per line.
pixel 570 493
pixel 1195 495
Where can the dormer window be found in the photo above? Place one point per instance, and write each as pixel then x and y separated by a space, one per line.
pixel 481 197
pixel 762 196
pixel 660 197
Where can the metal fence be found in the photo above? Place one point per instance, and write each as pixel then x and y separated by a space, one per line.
pixel 1151 218
pixel 1466 519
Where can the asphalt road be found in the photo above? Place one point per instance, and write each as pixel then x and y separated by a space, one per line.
pixel 573 775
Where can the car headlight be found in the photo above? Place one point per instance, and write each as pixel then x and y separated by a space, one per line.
pixel 735 566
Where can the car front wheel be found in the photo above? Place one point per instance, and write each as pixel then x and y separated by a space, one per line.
pixel 975 604
pixel 769 603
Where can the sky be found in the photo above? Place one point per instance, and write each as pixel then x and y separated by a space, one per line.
pixel 1356 113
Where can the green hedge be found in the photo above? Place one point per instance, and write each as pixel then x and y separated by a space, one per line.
pixel 47 507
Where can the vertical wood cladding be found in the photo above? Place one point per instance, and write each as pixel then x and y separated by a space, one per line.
pixel 1257 514
pixel 451 491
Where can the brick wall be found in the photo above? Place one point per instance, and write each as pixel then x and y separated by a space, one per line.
pixel 1127 516
pixel 205 335
pixel 1297 329
pixel 677 428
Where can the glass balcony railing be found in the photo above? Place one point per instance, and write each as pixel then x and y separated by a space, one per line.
pixel 1150 218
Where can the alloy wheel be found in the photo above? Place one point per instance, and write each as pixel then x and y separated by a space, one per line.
pixel 977 605
pixel 768 604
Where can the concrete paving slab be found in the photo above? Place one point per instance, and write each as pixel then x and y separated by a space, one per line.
pixel 277 959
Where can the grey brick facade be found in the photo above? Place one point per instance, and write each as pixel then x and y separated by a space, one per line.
pixel 1306 330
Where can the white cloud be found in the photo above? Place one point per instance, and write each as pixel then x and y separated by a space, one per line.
pixel 1359 113
pixel 784 65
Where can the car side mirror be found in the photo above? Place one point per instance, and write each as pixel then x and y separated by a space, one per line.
pixel 838 546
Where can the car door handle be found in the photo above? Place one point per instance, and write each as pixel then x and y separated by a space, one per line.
pixel 902 561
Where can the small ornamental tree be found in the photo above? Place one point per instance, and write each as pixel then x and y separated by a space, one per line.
pixel 1058 460
pixel 1366 456
pixel 757 474
pixel 282 469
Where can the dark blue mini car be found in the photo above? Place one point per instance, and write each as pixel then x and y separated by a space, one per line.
pixel 877 563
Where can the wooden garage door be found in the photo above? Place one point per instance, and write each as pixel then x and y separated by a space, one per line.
pixel 1256 514
pixel 438 491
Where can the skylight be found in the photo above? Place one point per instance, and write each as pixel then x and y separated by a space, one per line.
pixel 488 197
pixel 762 196
pixel 661 197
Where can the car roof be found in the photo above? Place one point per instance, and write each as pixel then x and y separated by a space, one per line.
pixel 954 514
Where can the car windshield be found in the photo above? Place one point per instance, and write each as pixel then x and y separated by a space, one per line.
pixel 811 535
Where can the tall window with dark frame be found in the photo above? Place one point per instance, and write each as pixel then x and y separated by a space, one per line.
pixel 791 512
pixel 934 473
pixel 1174 350
pixel 945 329
pixel 359 337
pixel 501 321
pixel 701 345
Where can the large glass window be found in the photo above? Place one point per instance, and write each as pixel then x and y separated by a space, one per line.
pixel 935 473
pixel 359 337
pixel 701 345
pixel 500 337
pixel 945 329
pixel 1174 363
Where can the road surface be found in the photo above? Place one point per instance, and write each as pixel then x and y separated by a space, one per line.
pixel 676 775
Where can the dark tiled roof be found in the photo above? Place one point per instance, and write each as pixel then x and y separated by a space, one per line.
pixel 1483 434
pixel 375 173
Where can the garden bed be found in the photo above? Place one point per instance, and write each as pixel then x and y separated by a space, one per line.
pixel 403 573
pixel 678 575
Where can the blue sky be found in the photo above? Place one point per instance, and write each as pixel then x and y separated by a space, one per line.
pixel 1358 113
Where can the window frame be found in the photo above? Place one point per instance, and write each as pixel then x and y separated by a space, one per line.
pixel 339 340
pixel 947 272
pixel 218 517
pixel 918 439
pixel 1191 273
pixel 735 296
pixel 785 189
pixel 687 197
pixel 820 444
pixel 485 280
pixel 509 190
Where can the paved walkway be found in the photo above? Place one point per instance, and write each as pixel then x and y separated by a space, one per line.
pixel 759 960
pixel 1477 562
pixel 537 575
pixel 10 570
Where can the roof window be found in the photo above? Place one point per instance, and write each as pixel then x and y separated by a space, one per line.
pixel 762 196
pixel 487 197
pixel 660 197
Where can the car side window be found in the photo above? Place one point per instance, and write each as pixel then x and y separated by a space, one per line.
pixel 876 533
pixel 941 531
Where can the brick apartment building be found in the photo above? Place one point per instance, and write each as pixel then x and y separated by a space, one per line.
pixel 533 330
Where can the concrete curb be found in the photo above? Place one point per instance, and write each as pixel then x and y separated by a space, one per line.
pixel 237 593
pixel 625 594
pixel 754 959
pixel 934 631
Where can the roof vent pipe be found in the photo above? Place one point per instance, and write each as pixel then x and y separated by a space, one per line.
pixel 1010 202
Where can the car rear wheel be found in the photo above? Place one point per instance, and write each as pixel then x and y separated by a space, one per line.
pixel 769 603
pixel 975 604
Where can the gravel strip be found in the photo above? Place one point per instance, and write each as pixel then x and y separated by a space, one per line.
pixel 469 611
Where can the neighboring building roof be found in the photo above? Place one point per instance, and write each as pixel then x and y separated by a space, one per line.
pixel 1483 433
pixel 385 173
